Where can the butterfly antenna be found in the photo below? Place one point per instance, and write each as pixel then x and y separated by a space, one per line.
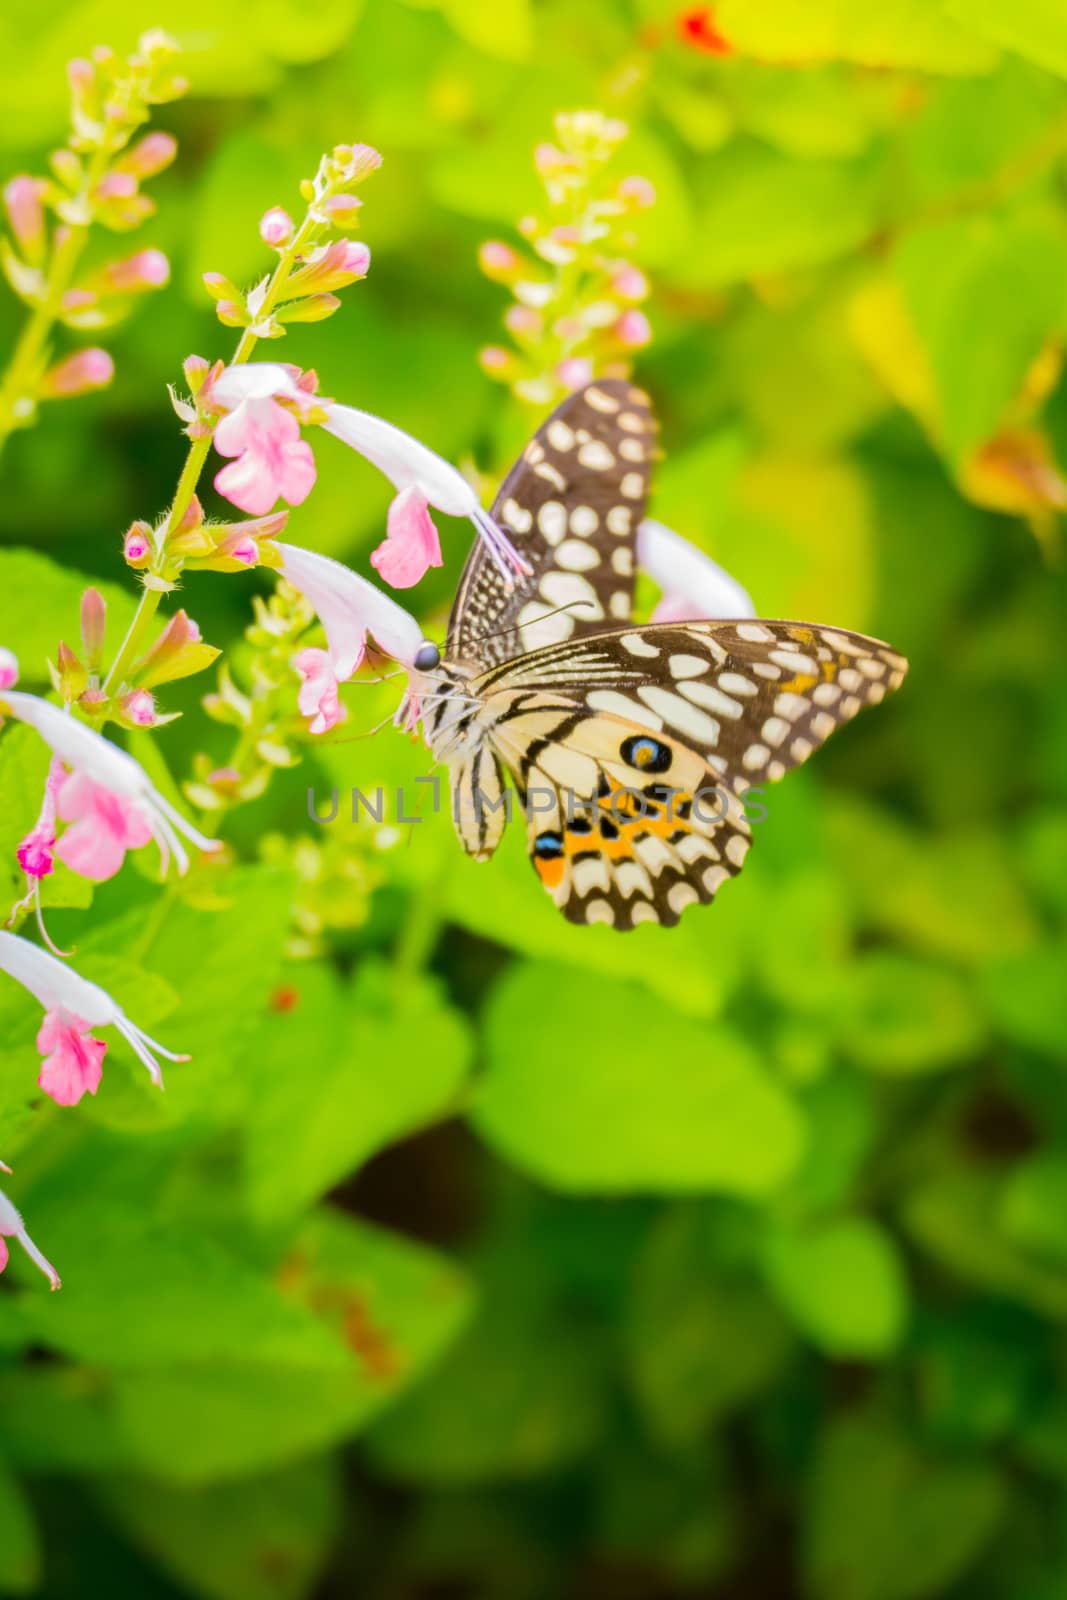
pixel 499 632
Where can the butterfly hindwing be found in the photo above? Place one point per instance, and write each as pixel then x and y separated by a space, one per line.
pixel 571 505
pixel 666 727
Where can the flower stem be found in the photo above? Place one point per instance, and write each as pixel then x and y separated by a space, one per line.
pixel 195 460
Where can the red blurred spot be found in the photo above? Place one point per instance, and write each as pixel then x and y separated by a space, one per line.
pixel 285 998
pixel 697 29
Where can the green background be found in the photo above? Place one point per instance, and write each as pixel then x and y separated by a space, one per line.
pixel 474 1254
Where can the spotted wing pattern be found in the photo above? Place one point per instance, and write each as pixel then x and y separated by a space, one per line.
pixel 633 750
pixel 571 505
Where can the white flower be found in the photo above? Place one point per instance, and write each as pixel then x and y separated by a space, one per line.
pixel 694 586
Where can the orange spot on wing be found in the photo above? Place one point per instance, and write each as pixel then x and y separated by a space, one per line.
pixel 549 869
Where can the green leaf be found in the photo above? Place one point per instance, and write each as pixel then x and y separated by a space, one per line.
pixel 1027 997
pixel 20 1551
pixel 139 1290
pixel 265 1538
pixel 901 33
pixel 843 1284
pixel 699 1345
pixel 905 1016
pixel 1033 1210
pixel 383 1308
pixel 885 1522
pixel 1005 278
pixel 1037 29
pixel 765 214
pixel 519 1394
pixel 345 1072
pixel 40 603
pixel 592 1090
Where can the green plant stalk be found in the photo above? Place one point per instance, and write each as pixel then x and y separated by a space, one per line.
pixel 20 376
pixel 194 466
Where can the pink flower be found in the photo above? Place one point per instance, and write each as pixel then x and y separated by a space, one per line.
pixel 272 460
pixel 343 210
pixel 72 1058
pixel 105 826
pixel 78 374
pixel 108 797
pixel 72 1006
pixel 498 260
pixel 318 699
pixel 9 668
pixel 331 266
pixel 406 462
pixel 349 608
pixel 411 546
pixel 630 283
pixel 13 1227
pixel 148 269
pixel 276 227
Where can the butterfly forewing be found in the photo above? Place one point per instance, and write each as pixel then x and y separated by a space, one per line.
pixel 571 505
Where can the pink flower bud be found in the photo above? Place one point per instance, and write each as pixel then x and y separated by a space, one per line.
pixel 498 261
pixel 196 370
pixel 78 374
pixel 22 201
pixel 80 76
pixel 276 227
pixel 547 159
pixel 496 361
pixel 355 258
pixel 148 269
pixel 230 314
pixel 9 668
pixel 343 209
pixel 116 186
pixel 137 545
pixel 575 372
pixel 94 623
pixel 633 330
pixel 139 707
pixel 524 322
pixel 192 516
pixel 638 193
pixel 629 283
pixel 150 155
pixel 76 300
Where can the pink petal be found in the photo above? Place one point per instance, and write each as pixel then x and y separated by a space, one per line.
pixel 246 484
pixel 677 608
pixel 297 472
pixel 318 697
pixel 3 1255
pixel 412 545
pixel 72 1065
pixel 90 851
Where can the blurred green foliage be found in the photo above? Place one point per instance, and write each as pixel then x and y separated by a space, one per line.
pixel 485 1256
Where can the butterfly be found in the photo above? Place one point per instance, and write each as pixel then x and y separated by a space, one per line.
pixel 631 748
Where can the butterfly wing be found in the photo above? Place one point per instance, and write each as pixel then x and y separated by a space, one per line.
pixel 667 726
pixel 571 504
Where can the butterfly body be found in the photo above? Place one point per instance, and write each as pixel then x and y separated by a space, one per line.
pixel 630 749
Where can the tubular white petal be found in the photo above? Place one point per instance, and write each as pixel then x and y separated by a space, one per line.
pixel 681 569
pixel 404 461
pixel 349 607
